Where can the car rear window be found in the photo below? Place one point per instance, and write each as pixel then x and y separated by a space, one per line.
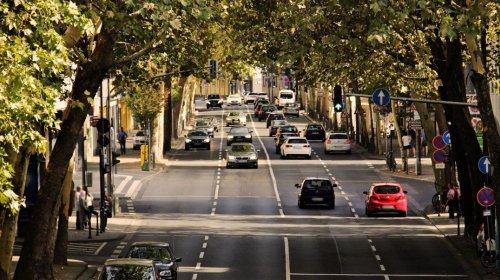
pixel 234 114
pixel 338 136
pixel 201 123
pixel 241 148
pixel 238 130
pixel 140 133
pixel 314 127
pixel 386 189
pixel 288 129
pixel 286 96
pixel 297 141
pixel 317 184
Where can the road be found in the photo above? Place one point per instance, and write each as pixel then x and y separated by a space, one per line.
pixel 245 223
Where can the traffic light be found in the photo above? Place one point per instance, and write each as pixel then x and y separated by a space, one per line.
pixel 114 158
pixel 213 68
pixel 338 105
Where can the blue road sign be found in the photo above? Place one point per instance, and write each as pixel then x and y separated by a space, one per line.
pixel 381 97
pixel 439 156
pixel 446 137
pixel 484 165
pixel 486 197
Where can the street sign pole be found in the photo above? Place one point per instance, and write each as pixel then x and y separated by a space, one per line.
pixel 418 164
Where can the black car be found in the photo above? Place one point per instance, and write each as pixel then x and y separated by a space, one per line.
pixel 281 138
pixel 273 116
pixel 266 110
pixel 242 154
pixel 315 132
pixel 214 101
pixel 198 138
pixel 261 100
pixel 161 254
pixel 314 190
pixel 239 134
pixel 130 269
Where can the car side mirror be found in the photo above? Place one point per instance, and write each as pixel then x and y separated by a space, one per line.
pixel 334 185
pixel 178 260
pixel 297 186
pixel 365 193
pixel 405 192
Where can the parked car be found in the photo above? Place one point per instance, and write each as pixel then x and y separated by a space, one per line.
pixel 296 146
pixel 140 138
pixel 280 139
pixel 234 99
pixel 236 118
pixel 315 131
pixel 273 116
pixel 239 134
pixel 198 138
pixel 337 142
pixel 214 101
pixel 316 190
pixel 205 124
pixel 242 154
pixel 159 252
pixel 130 269
pixel 275 125
pixel 292 109
pixel 386 197
pixel 266 110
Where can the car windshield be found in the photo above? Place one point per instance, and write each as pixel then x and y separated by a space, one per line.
pixel 286 96
pixel 314 127
pixel 278 117
pixel 201 123
pixel 322 185
pixel 238 130
pixel 288 129
pixel 241 148
pixel 130 272
pixel 140 133
pixel 268 108
pixel 234 114
pixel 338 136
pixel 279 122
pixel 297 141
pixel 386 189
pixel 149 252
pixel 197 133
pixel 213 96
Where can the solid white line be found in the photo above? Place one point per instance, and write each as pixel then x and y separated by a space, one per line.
pixel 379 274
pixel 287 259
pixel 386 277
pixel 271 172
pixel 122 184
pixel 132 191
pixel 282 214
pixel 100 248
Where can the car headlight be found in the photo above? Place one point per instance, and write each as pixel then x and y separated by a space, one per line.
pixel 165 273
pixel 206 140
pixel 208 102
pixel 248 136
pixel 230 137
pixel 253 157
pixel 188 140
pixel 220 101
pixel 229 157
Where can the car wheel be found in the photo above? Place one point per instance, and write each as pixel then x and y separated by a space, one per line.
pixel 308 157
pixel 228 166
pixel 208 147
pixel 403 214
pixel 368 213
pixel 228 143
pixel 256 166
pixel 331 205
pixel 348 152
pixel 323 140
pixel 277 150
pixel 186 148
pixel 326 152
pixel 282 155
pixel 300 204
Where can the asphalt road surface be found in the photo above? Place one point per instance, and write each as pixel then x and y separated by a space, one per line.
pixel 245 223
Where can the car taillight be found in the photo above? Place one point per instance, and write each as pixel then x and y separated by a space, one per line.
pixel 328 141
pixel 288 146
pixel 307 146
pixel 398 197
pixel 297 133
pixel 348 141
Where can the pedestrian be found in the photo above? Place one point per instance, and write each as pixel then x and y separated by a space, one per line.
pixel 413 141
pixel 453 197
pixel 423 140
pixel 122 138
pixel 81 205
pixel 79 211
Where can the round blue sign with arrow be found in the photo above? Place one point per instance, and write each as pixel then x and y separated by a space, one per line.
pixel 446 137
pixel 486 197
pixel 484 165
pixel 439 156
pixel 381 97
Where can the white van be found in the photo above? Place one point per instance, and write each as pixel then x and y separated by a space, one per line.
pixel 285 96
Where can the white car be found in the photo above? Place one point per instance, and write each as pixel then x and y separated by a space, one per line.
pixel 236 118
pixel 296 146
pixel 337 142
pixel 140 138
pixel 234 99
pixel 252 96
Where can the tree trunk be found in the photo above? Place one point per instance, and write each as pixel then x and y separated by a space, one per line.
pixel 178 105
pixel 38 250
pixel 20 162
pixel 465 147
pixel 167 117
pixel 61 247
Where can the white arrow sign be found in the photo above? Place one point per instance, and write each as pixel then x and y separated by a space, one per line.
pixel 381 96
pixel 487 165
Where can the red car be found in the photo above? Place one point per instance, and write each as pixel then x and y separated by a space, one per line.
pixel 386 197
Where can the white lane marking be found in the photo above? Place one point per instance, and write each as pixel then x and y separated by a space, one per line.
pixel 122 184
pixel 349 203
pixel 346 198
pixel 353 210
pixel 202 254
pixel 195 276
pixel 271 171
pixel 328 170
pixel 287 259
pixel 382 267
pixel 340 187
pixel 333 178
pixel 204 246
pixel 373 248
pixel 198 266
pixel 100 248
pixel 215 203
pixel 386 277
pixel 377 257
pixel 380 275
pixel 132 191
pixel 206 237
pixel 356 215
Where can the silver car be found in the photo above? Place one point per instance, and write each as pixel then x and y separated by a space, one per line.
pixel 236 118
pixel 242 154
pixel 204 124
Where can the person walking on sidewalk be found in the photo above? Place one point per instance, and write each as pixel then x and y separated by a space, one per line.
pixel 122 138
pixel 453 197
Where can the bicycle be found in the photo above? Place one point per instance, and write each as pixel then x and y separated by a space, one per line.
pixel 488 255
pixel 439 203
pixel 390 161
